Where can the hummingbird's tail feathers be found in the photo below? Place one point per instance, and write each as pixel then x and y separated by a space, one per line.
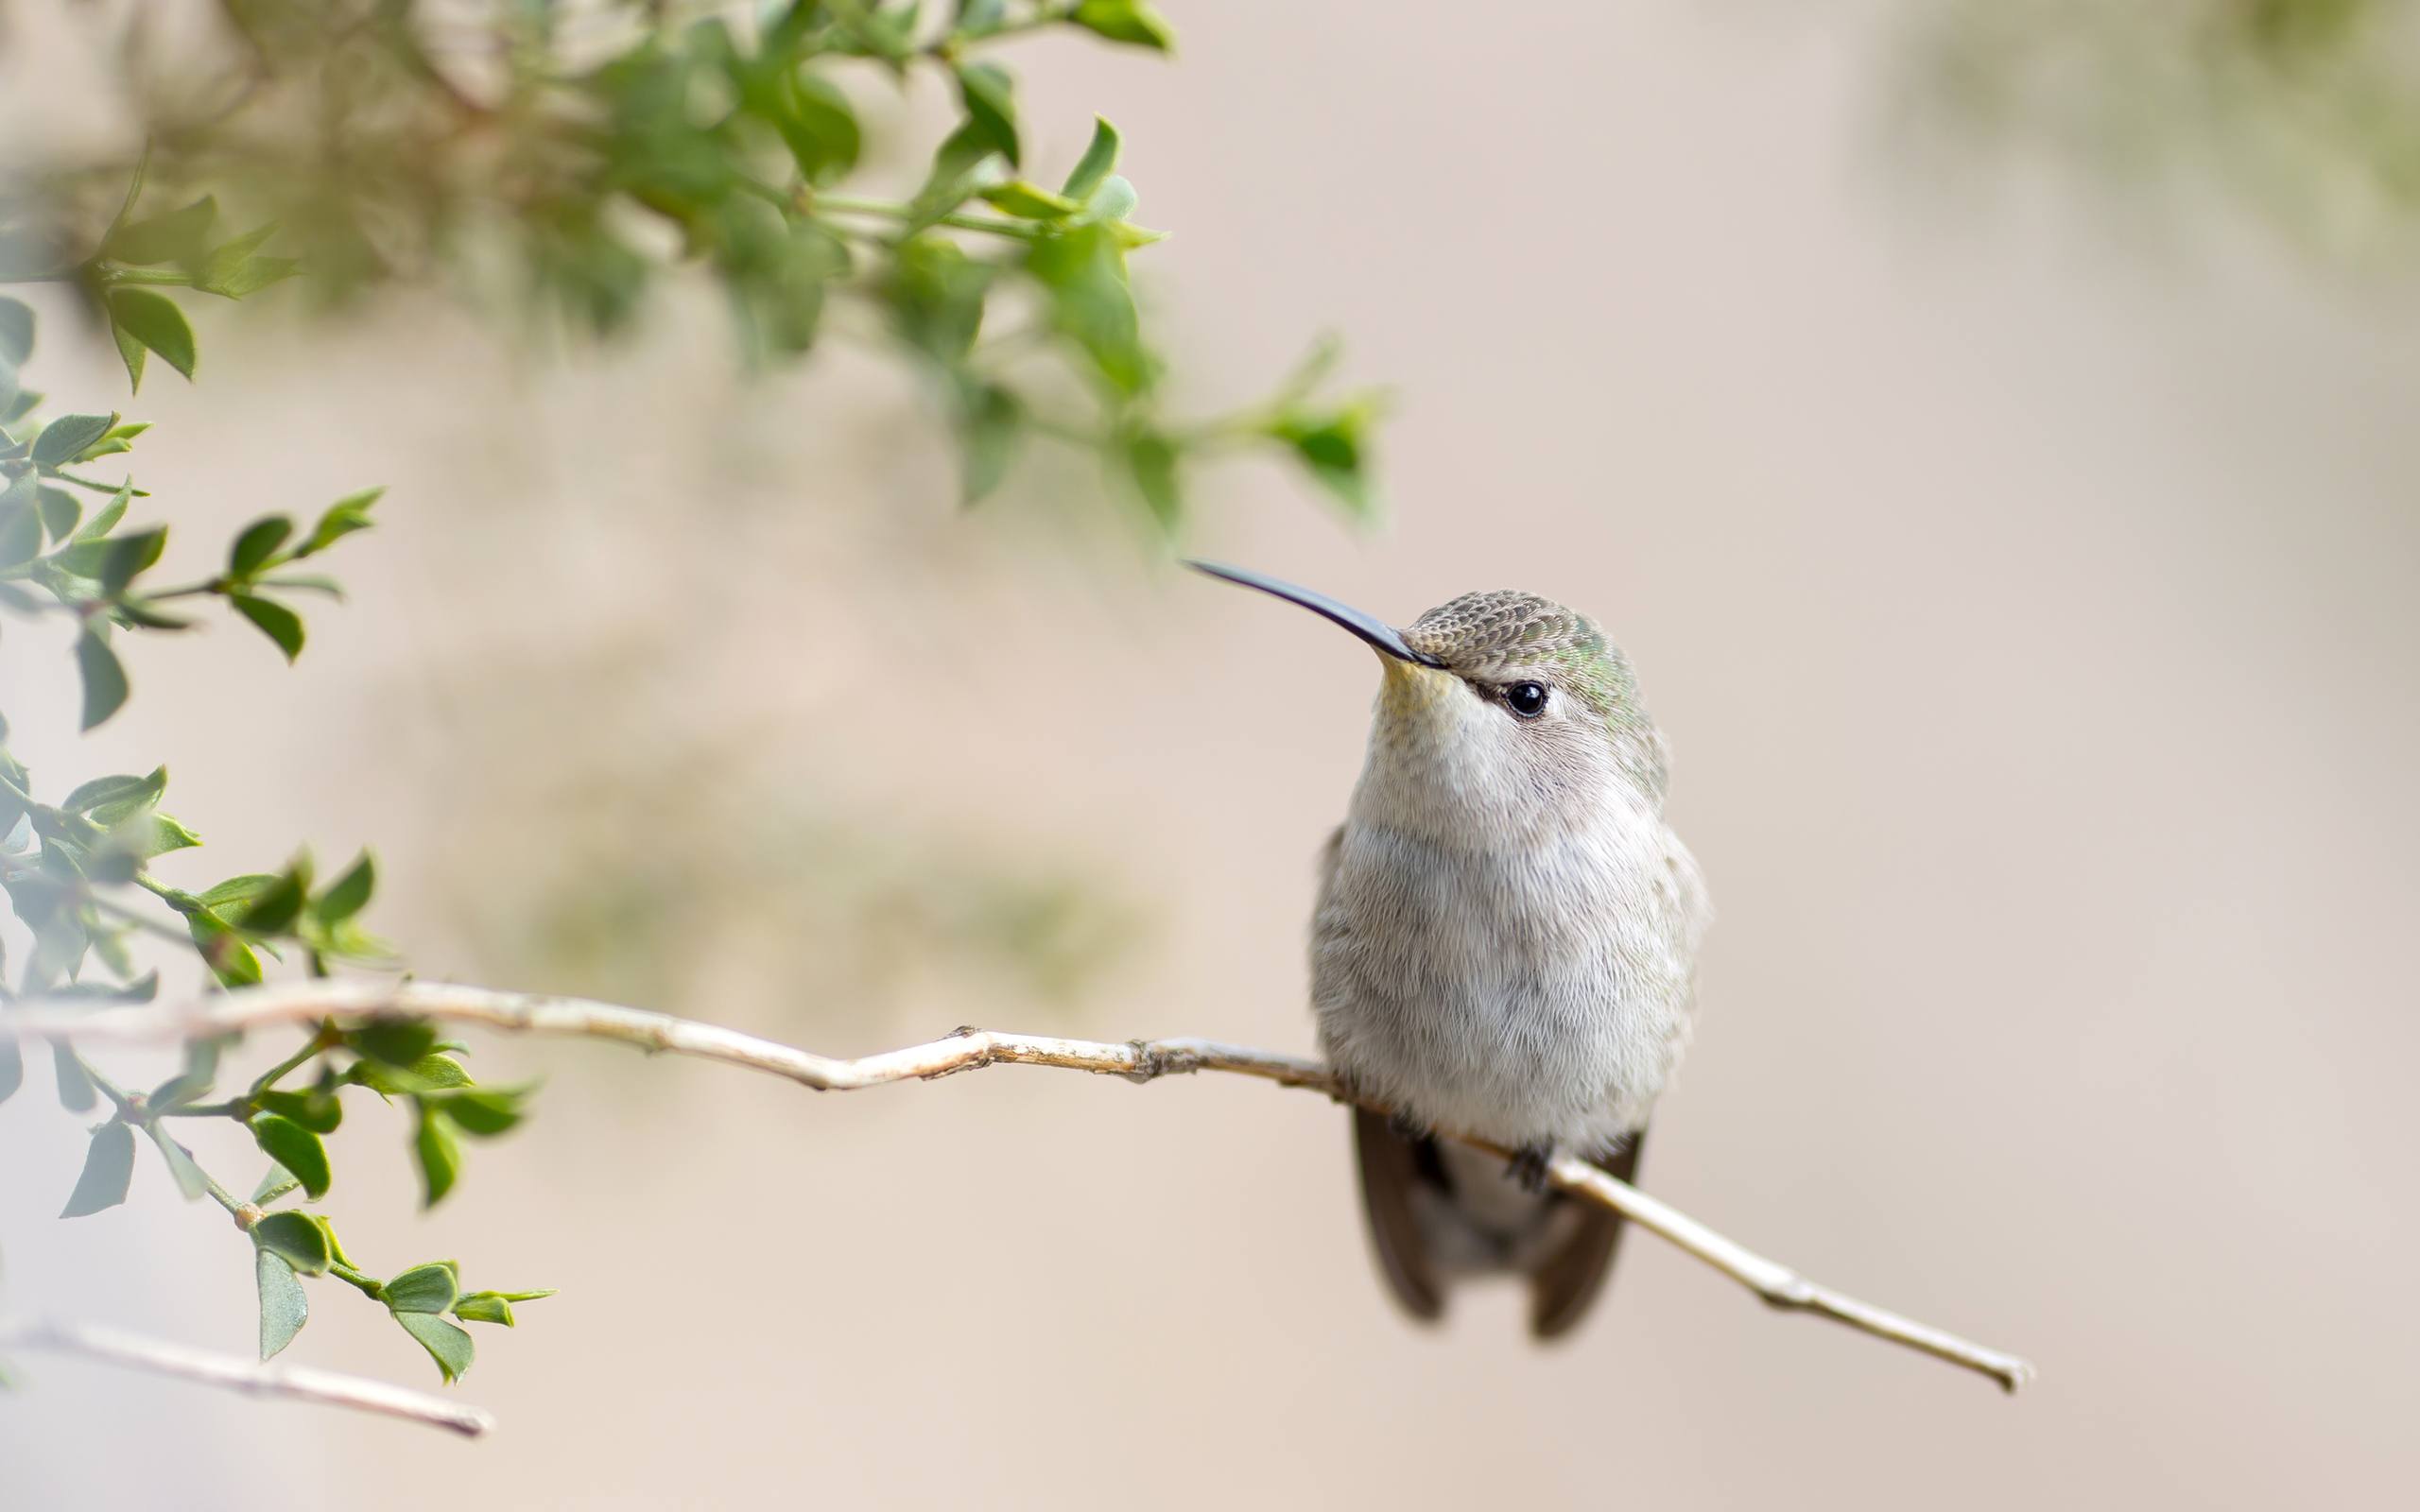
pixel 1393 1172
pixel 1567 1278
pixel 1439 1212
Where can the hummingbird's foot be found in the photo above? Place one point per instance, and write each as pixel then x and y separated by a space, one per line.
pixel 1529 1166
pixel 1404 1126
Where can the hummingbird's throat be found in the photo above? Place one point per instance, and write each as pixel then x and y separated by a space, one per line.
pixel 1410 688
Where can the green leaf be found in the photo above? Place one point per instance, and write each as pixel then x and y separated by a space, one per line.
pixel 276 1182
pixel 132 353
pixel 424 1288
pixel 111 512
pixel 955 172
pixel 1332 447
pixel 1084 271
pixel 274 909
pixel 60 510
pixel 64 440
pixel 21 522
pixel 1112 201
pixel 1100 156
pixel 243 889
pixel 484 1307
pixel 127 556
pixel 439 1157
pixel 111 792
pixel 394 1041
pixel 233 270
pixel 437 1073
pixel 274 620
pixel 154 321
pixel 109 1165
pixel 305 582
pixel 430 1073
pixel 1127 20
pixel 447 1344
pixel 104 679
pixel 342 519
pixel 317 1109
pixel 991 106
pixel 350 893
pixel 284 1307
pixel 818 126
pixel 258 542
pixel 136 613
pixel 1028 201
pixel 1150 462
pixel 77 1092
pixel 294 1147
pixel 191 1183
pixel 16 332
pixel 483 1111
pixel 229 957
pixel 152 834
pixel 336 1246
pixel 179 236
pixel 935 294
pixel 298 1239
pixel 991 418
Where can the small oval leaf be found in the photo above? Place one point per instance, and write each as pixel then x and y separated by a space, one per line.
pixel 426 1288
pixel 294 1147
pixel 285 1308
pixel 294 1238
pixel 109 1165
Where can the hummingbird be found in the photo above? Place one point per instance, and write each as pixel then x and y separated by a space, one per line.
pixel 1504 943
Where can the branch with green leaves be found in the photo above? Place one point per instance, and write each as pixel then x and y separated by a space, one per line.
pixel 286 1121
pixel 79 872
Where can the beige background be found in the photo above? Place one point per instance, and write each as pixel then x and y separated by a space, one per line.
pixel 2032 611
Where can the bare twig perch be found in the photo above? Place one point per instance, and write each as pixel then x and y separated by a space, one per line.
pixel 306 1003
pixel 300 1383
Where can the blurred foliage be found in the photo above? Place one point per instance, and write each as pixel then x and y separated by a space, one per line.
pixel 571 157
pixel 565 159
pixel 2308 111
pixel 741 871
pixel 835 912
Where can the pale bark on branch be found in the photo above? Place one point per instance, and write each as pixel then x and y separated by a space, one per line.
pixel 307 1003
pixel 296 1382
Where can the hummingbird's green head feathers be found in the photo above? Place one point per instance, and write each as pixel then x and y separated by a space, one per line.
pixel 1498 693
pixel 1552 670
pixel 1498 638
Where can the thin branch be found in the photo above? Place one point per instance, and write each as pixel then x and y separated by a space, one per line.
pixel 305 1004
pixel 297 1382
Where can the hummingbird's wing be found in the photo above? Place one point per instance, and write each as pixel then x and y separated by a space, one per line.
pixel 1568 1277
pixel 1391 1172
pixel 1394 1167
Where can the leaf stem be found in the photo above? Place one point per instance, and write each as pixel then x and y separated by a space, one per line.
pixel 893 210
pixel 367 1284
pixel 324 1038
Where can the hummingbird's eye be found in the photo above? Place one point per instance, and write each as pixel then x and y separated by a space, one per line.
pixel 1526 700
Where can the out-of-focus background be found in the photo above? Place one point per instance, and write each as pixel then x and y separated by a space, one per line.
pixel 2022 563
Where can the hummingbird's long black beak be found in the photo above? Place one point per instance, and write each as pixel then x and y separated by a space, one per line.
pixel 1383 636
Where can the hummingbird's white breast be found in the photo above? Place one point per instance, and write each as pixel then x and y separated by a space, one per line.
pixel 1506 928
